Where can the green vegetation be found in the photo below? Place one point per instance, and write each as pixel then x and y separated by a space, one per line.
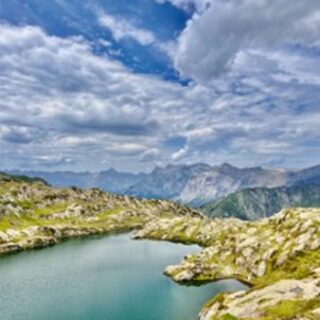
pixel 229 317
pixel 33 215
pixel 256 203
pixel 278 258
pixel 21 178
pixel 261 254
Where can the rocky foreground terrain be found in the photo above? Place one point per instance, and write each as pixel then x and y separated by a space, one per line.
pixel 278 257
pixel 35 215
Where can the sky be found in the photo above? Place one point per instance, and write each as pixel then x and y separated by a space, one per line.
pixel 89 85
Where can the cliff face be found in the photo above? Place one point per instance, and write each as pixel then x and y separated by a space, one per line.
pixel 257 203
pixel 278 257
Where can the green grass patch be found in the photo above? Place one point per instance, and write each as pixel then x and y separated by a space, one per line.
pixel 59 207
pixel 291 309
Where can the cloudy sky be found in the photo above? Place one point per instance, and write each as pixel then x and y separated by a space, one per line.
pixel 88 85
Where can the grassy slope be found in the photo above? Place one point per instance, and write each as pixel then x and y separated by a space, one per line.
pixel 256 203
pixel 33 215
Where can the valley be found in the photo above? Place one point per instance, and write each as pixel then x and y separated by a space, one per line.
pixel 272 254
pixel 160 160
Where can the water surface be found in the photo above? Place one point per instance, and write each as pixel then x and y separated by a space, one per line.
pixel 111 278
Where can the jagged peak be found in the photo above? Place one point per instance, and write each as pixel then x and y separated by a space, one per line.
pixel 226 167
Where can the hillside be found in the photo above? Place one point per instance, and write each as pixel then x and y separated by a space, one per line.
pixel 110 180
pixel 256 203
pixel 277 257
pixel 21 178
pixel 35 215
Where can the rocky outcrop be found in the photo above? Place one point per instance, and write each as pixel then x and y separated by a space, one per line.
pixel 278 258
pixel 268 302
pixel 34 215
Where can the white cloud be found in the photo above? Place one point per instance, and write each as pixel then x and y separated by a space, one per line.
pixel 180 153
pixel 72 109
pixel 123 29
pixel 212 40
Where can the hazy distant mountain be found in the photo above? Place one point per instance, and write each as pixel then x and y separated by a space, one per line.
pixel 222 180
pixel 194 184
pixel 255 203
pixel 110 180
pixel 167 182
pixel 305 177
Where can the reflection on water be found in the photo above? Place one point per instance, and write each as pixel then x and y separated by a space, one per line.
pixel 101 279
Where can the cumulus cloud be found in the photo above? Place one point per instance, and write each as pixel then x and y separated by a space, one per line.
pixel 212 40
pixel 122 29
pixel 18 134
pixel 53 78
pixel 71 109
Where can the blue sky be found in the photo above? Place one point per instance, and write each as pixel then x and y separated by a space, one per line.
pixel 87 85
pixel 66 18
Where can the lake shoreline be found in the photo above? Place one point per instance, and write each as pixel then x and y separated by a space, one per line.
pixel 276 254
pixel 122 283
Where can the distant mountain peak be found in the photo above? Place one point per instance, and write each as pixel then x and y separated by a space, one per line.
pixel 194 184
pixel 227 165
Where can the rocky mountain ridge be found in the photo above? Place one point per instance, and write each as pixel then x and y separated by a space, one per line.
pixel 257 203
pixel 194 184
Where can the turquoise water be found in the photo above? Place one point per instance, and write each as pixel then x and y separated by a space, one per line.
pixel 111 278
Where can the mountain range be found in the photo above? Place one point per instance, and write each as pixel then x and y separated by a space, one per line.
pixel 257 203
pixel 109 180
pixel 195 184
